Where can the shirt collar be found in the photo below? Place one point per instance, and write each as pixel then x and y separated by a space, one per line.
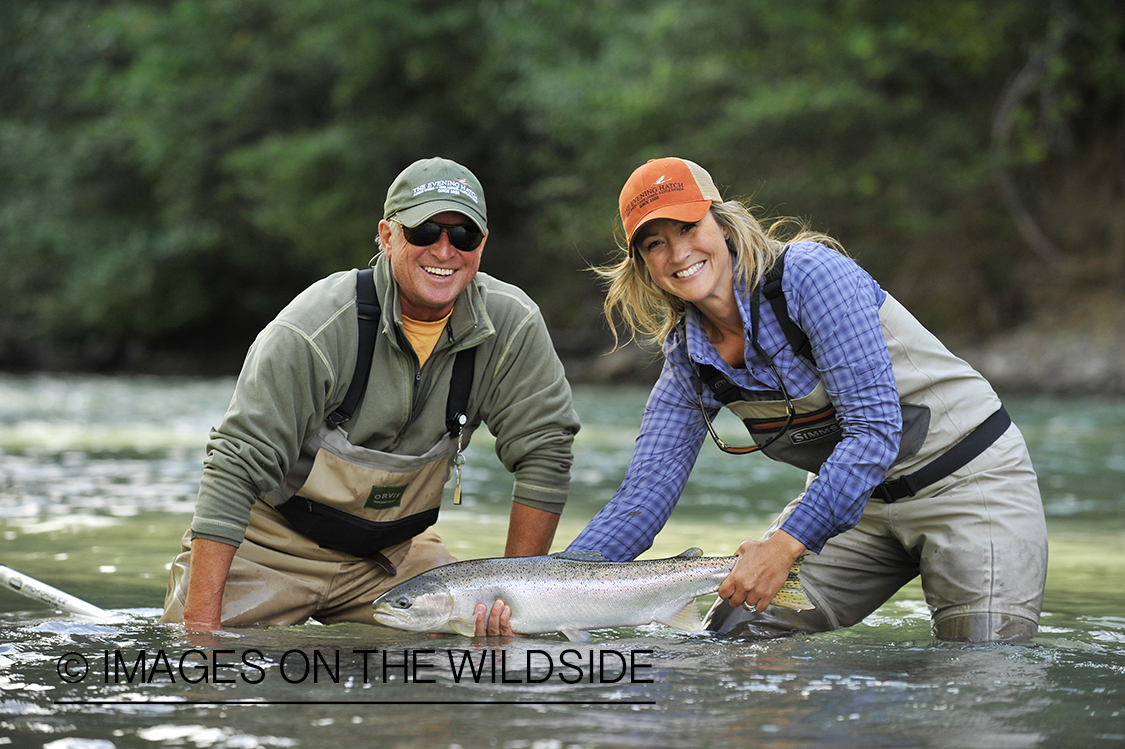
pixel 469 324
pixel 699 348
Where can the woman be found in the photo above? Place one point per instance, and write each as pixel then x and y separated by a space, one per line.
pixel 915 467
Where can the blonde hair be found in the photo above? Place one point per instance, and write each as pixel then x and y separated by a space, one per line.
pixel 650 313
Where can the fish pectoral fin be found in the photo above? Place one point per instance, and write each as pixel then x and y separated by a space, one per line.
pixel 576 635
pixel 685 619
pixel 464 627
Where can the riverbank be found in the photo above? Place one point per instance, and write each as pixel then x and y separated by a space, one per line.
pixel 1074 354
pixel 1044 359
pixel 1063 364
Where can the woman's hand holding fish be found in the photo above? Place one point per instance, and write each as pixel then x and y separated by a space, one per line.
pixel 761 570
pixel 494 623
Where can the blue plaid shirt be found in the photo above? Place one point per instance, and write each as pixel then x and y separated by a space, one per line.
pixel 836 303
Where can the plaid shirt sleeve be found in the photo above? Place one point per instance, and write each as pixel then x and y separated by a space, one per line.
pixel 672 431
pixel 837 304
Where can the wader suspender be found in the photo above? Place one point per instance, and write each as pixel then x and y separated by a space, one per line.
pixel 335 529
pixel 368 312
pixel 956 457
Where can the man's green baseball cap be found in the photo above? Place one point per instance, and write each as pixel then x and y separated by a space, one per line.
pixel 430 186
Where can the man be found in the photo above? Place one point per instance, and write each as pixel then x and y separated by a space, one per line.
pixel 315 500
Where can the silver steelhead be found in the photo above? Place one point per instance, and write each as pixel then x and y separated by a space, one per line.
pixel 571 594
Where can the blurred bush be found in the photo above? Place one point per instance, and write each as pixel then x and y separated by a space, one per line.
pixel 172 173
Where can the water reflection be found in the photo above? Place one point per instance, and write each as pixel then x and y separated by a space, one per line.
pixel 872 685
pixel 98 479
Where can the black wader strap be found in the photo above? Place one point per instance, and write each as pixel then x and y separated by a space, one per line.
pixel 953 459
pixel 368 311
pixel 460 383
pixel 341 531
pixel 335 529
pixel 726 391
pixel 771 290
pixel 721 387
pixel 956 457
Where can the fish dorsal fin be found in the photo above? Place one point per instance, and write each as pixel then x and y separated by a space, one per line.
pixel 691 553
pixel 581 555
pixel 685 619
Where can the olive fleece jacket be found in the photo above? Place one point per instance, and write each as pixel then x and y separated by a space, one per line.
pixel 299 367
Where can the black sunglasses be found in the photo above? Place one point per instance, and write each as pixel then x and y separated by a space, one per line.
pixel 790 412
pixel 464 238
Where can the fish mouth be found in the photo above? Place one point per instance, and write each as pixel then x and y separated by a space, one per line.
pixel 388 617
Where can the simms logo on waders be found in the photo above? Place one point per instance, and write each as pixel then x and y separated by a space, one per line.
pixel 810 435
pixel 384 497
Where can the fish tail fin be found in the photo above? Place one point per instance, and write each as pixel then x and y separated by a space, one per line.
pixel 686 618
pixel 792 595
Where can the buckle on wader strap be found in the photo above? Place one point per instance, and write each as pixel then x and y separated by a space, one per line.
pixel 953 459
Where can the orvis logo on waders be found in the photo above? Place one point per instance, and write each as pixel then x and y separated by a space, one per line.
pixel 384 497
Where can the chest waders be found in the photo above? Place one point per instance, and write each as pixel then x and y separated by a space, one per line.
pixel 930 447
pixel 351 499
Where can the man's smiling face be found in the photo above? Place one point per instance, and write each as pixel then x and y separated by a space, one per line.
pixel 429 278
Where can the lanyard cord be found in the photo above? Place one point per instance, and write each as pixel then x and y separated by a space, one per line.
pixel 790 410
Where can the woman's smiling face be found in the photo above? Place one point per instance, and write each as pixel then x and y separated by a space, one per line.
pixel 691 261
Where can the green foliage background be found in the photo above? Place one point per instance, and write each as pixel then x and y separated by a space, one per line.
pixel 173 172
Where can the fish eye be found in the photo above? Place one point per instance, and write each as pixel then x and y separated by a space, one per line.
pixel 402 602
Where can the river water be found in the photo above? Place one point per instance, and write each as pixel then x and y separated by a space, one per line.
pixel 97 483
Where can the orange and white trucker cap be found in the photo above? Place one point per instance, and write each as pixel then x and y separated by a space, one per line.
pixel 672 188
